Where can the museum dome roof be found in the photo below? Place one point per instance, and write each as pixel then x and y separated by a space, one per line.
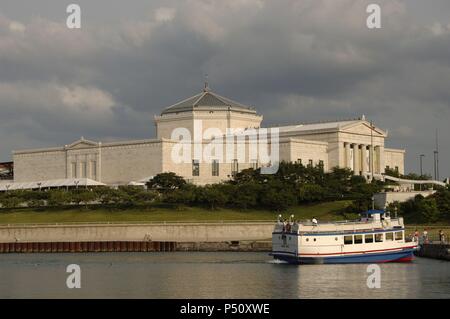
pixel 207 100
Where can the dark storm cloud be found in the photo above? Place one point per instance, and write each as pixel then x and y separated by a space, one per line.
pixel 293 60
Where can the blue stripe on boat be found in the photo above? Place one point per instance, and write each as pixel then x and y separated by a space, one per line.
pixel 359 258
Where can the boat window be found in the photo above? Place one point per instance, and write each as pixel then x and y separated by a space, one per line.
pixel 389 236
pixel 314 239
pixel 378 238
pixel 335 238
pixel 368 238
pixel 307 239
pixel 348 240
pixel 399 235
pixel 358 239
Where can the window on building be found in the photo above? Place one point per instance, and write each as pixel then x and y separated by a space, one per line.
pixel 234 167
pixel 378 238
pixel 215 168
pixel 299 161
pixel 74 170
pixel 389 236
pixel 254 164
pixel 399 235
pixel 94 170
pixel 310 163
pixel 358 239
pixel 348 240
pixel 83 170
pixel 368 238
pixel 321 165
pixel 195 168
pixel 387 167
pixel 396 169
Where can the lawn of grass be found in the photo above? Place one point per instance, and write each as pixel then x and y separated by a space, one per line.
pixel 322 211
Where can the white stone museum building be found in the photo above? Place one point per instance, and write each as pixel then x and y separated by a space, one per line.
pixel 355 144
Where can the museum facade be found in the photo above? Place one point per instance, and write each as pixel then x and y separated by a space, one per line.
pixel 355 144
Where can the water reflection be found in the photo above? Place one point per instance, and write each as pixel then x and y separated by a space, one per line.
pixel 212 275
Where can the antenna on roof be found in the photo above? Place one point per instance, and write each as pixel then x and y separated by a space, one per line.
pixel 206 88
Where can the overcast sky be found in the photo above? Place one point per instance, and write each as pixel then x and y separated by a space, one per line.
pixel 295 61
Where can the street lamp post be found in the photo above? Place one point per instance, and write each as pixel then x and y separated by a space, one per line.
pixel 421 170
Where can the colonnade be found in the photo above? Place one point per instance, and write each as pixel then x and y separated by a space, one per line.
pixel 362 158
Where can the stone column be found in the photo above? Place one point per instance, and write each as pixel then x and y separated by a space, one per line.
pixel 380 158
pixel 371 160
pixel 363 159
pixel 356 158
pixel 347 155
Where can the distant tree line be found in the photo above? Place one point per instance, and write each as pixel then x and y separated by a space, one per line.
pixel 292 185
pixel 432 209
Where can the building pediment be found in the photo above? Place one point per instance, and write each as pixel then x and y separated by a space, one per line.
pixel 363 128
pixel 81 143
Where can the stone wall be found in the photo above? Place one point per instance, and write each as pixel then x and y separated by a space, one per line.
pixel 384 199
pixel 37 166
pixel 395 158
pixel 174 232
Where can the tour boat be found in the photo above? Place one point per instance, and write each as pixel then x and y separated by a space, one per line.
pixel 374 238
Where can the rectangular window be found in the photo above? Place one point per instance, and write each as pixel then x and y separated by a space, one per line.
pixel 378 238
pixel 389 236
pixel 310 163
pixel 254 164
pixel 368 238
pixel 399 235
pixel 348 240
pixel 299 161
pixel 234 167
pixel 321 165
pixel 358 239
pixel 74 170
pixel 396 169
pixel 195 168
pixel 94 170
pixel 83 170
pixel 215 168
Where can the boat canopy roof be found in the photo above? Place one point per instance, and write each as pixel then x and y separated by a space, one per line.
pixel 373 211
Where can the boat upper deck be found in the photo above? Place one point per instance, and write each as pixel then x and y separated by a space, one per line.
pixel 362 225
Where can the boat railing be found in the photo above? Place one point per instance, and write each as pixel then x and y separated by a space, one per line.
pixel 296 227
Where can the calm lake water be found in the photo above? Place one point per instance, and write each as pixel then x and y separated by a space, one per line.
pixel 212 275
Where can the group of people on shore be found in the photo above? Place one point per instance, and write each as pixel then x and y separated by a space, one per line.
pixel 424 238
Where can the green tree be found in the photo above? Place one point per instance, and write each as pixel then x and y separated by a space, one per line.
pixel 311 193
pixel 166 182
pixel 59 197
pixel 212 196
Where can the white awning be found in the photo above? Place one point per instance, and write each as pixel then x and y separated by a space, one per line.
pixel 70 182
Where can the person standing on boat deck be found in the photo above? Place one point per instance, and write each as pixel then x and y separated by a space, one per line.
pixel 314 221
pixel 416 235
pixel 441 237
pixel 425 236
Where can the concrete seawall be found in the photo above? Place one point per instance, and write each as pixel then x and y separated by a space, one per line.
pixel 170 232
pixel 436 251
